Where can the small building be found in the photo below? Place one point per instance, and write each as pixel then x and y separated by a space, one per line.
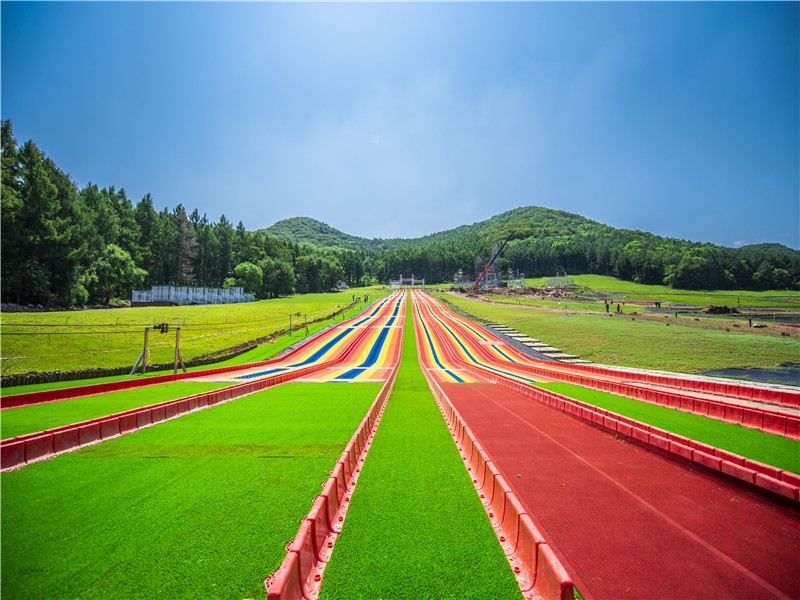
pixel 406 282
pixel 177 295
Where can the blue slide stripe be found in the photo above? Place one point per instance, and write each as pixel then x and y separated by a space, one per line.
pixel 475 360
pixel 319 353
pixel 375 351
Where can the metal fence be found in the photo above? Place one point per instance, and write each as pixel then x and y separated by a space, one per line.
pixel 174 294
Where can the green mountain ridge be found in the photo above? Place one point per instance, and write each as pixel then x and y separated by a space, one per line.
pixel 521 223
pixel 545 241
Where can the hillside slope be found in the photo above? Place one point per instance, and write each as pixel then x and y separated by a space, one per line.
pixel 544 241
pixel 523 222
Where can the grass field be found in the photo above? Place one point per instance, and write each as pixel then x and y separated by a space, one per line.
pixel 64 341
pixel 628 290
pixel 262 352
pixel 639 343
pixel 775 450
pixel 197 507
pixel 415 527
pixel 36 417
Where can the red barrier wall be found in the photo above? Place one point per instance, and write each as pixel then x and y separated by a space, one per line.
pixel 734 390
pixel 300 575
pixel 19 451
pixel 755 418
pixel 539 573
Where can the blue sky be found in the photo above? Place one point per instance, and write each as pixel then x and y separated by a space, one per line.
pixel 404 119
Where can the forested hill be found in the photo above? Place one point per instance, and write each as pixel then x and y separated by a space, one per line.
pixel 68 246
pixel 522 223
pixel 306 230
pixel 544 241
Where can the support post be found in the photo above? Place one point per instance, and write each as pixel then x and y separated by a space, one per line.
pixel 143 356
pixel 290 325
pixel 178 356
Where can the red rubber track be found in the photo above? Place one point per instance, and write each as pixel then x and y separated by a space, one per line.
pixel 627 522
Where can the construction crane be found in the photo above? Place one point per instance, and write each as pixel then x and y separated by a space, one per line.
pixel 477 283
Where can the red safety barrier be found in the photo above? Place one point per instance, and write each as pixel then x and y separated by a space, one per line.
pixel 538 571
pixel 18 451
pixel 754 418
pixel 734 390
pixel 300 575
pixel 761 475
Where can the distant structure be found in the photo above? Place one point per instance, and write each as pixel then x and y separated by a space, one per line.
pixel 461 280
pixel 406 282
pixel 174 295
pixel 560 281
pixel 515 280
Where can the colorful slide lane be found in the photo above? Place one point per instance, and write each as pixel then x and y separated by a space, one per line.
pixel 378 353
pixel 481 349
pixel 360 349
pixel 625 522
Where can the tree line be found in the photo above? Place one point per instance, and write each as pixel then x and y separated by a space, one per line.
pixel 68 246
pixel 65 246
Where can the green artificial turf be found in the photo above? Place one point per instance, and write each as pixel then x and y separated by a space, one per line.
pixel 198 507
pixel 73 340
pixel 36 417
pixel 638 343
pixel 769 448
pixel 415 527
pixel 262 352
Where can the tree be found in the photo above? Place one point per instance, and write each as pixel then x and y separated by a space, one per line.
pixel 307 268
pixel 186 246
pixel 225 257
pixel 113 274
pixel 249 276
pixel 279 278
pixel 147 220
pixel 12 233
pixel 331 273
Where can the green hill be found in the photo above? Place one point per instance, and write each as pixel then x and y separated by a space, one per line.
pixel 305 230
pixel 523 222
pixel 544 241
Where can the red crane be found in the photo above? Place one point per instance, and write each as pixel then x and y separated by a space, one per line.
pixel 477 283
